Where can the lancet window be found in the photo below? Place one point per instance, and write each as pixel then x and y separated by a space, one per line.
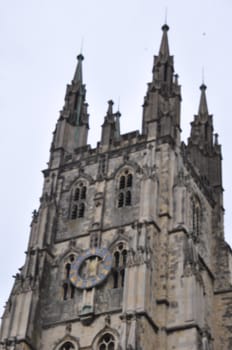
pixel 68 288
pixel 119 265
pixel 107 342
pixel 125 189
pixel 78 201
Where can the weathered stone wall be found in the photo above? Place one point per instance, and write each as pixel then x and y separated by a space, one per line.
pixel 222 320
pixel 183 339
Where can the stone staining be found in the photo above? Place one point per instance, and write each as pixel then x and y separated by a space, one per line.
pixel 127 248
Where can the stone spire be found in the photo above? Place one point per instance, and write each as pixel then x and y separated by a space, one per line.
pixel 164 46
pixel 78 76
pixel 161 109
pixel 203 108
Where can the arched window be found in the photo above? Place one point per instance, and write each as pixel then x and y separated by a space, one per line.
pixel 120 199
pixel 83 192
pixel 129 180
pixel 128 198
pixel 125 189
pixel 122 182
pixel 77 194
pixel 74 211
pixel 67 346
pixel 78 200
pixel 119 265
pixel 196 217
pixel 106 342
pixel 68 288
pixel 81 211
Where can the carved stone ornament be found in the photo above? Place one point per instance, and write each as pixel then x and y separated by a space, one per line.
pixel 139 257
pixel 131 258
pixel 149 172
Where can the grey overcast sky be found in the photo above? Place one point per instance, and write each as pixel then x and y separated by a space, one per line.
pixel 39 41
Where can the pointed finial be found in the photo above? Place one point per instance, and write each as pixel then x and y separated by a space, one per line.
pixel 118 114
pixel 164 47
pixel 203 108
pixel 80 57
pixel 165 28
pixel 203 87
pixel 78 73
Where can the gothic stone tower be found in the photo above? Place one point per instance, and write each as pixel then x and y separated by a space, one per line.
pixel 127 249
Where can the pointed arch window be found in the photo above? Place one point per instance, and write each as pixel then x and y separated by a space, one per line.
pixel 125 189
pixel 119 265
pixel 129 180
pixel 78 201
pixel 122 182
pixel 128 198
pixel 67 287
pixel 106 342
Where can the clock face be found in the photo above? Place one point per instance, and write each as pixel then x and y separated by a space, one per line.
pixel 91 268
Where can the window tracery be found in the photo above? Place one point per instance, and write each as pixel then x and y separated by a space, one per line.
pixel 119 265
pixel 106 342
pixel 78 201
pixel 125 189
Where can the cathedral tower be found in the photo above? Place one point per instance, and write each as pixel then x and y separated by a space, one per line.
pixel 127 249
